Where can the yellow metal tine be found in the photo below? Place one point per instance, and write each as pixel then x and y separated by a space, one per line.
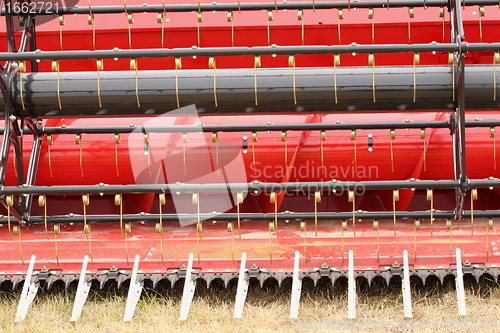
pixel 450 227
pixel 416 61
pixel 42 202
pixel 336 62
pixel 274 200
pixel 212 65
pixel 411 14
pixel 257 63
pixel 199 228
pixel 50 140
pixel 61 23
pixel 343 228
pixel 78 141
pixel 392 136
pixel 416 226
pixel 496 60
pixel 55 68
pixel 230 18
pixel 430 197
pixel 351 197
pixel 178 65
pixel 376 228
pixel 117 142
pixel 493 136
pixel 57 229
pixel 135 67
pixel 322 138
pixel 371 17
pixel 9 201
pixel 161 202
pixel 269 19
pixel 481 14
pixel 284 139
pixel 303 228
pixel 395 197
pixel 473 196
pixel 291 63
pixel 317 199
pixel 100 67
pixel 300 16
pixel 239 201
pixel 118 202
pixel 371 62
pixel 340 15
pixel 423 137
pixel 353 138
pixel 22 69
pixel 489 225
pixel 230 228
pixel 130 20
pixel 17 231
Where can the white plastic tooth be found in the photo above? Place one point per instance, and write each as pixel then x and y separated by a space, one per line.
pixel 28 293
pixel 351 287
pixel 188 291
pixel 405 284
pixel 296 287
pixel 82 291
pixel 134 291
pixel 241 289
pixel 459 282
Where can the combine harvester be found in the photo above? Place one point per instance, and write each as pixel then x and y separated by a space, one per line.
pixel 228 140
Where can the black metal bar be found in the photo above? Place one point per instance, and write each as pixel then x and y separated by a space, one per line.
pixel 243 51
pixel 283 216
pixel 168 8
pixel 305 187
pixel 258 127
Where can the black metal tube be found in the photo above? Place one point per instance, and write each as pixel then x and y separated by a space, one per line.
pixel 223 217
pixel 305 187
pixel 235 91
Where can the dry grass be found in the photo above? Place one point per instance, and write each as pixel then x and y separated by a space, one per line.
pixel 266 309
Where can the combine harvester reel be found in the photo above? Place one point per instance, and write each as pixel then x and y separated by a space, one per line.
pixel 248 141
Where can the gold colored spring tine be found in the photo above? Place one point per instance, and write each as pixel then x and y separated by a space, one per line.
pixel 199 20
pixel 91 21
pixel 100 67
pixel 271 230
pixel 9 201
pixel 239 201
pixel 269 19
pixel 147 151
pixel 78 141
pixel 317 199
pixel 55 68
pixel 61 23
pixel 451 61
pixel 86 226
pixel 493 136
pixel 303 228
pixel 423 137
pixel 430 197
pixel 392 137
pixel 349 5
pixel 489 225
pixel 134 67
pixel 254 140
pixel 130 20
pixel 215 139
pixel 473 196
pixel 371 62
pixel 371 17
pixel 256 64
pixel 416 226
pixel 117 141
pixel 17 231
pixel 230 228
pixel 22 69
pixel 162 21
pixel 496 60
pixel 351 197
pixel 353 138
pixel 322 138
pixel 291 63
pixel 161 202
pixel 395 197
pixel 449 226
pixel 239 7
pixel 274 199
pixel 343 228
pixel 50 140
pixel 300 17
pixel 340 15
pixel 212 65
pixel 127 230
pixel 411 14
pixel 481 14
pixel 284 139
pixel 119 202
pixel 57 230
pixel 185 140
pixel 441 14
pixel 178 65
pixel 230 18
pixel 416 61
pixel 195 200
pixel 336 62
pixel 376 228
pixel 42 202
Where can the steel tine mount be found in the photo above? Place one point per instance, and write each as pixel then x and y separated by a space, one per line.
pixel 32 284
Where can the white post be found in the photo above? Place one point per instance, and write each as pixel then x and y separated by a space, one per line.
pixel 81 292
pixel 188 292
pixel 459 281
pixel 242 289
pixel 134 291
pixel 351 287
pixel 296 287
pixel 28 293
pixel 406 286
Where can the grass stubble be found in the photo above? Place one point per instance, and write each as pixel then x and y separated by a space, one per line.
pixel 322 309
